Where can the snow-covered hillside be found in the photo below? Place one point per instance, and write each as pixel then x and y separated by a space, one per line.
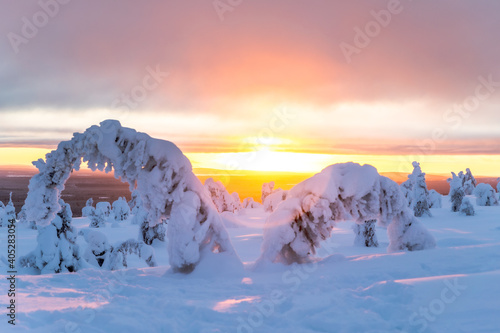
pixel 452 288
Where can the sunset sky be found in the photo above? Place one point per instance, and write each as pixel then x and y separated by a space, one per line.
pixel 283 85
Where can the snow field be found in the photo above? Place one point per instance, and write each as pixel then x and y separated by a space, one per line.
pixel 452 288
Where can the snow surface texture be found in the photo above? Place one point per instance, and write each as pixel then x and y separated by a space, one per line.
pixel 415 191
pixel 485 195
pixel 156 168
pixel 295 229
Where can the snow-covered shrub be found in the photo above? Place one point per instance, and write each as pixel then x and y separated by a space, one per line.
pixel 104 208
pixel 250 203
pixel 274 199
pixel 457 192
pixel 415 191
pixel 121 210
pixel 365 234
pixel 435 199
pixel 469 182
pixel 57 250
pixel 100 253
pixel 224 202
pixel 98 249
pixel 485 195
pixel 88 207
pixel 97 218
pixel 467 208
pixel 156 168
pixel 267 189
pixel 119 253
pixel 148 234
pixel 295 229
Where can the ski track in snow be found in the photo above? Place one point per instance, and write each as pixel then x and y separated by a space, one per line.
pixel 453 288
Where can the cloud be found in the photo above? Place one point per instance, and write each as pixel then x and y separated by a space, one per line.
pixel 264 53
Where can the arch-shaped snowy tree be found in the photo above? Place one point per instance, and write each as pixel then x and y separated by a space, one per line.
pixel 295 229
pixel 157 169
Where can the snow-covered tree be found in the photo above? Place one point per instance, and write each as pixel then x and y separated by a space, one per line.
pixel 296 228
pixel 485 195
pixel 250 203
pixel 236 201
pixel 267 189
pixel 457 192
pixel 274 199
pixel 498 185
pixel 467 208
pixel 435 199
pixel 97 218
pixel 365 234
pixel 89 205
pixel 104 208
pixel 415 191
pixel 7 213
pixel 224 202
pixel 469 182
pixel 57 250
pixel 156 168
pixel 2 211
pixel 121 210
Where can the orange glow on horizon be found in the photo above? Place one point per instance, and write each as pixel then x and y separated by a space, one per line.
pixel 268 160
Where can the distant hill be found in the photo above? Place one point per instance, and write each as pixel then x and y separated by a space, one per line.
pixel 86 184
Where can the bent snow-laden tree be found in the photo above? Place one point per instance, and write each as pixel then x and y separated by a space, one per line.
pixel 156 168
pixel 295 229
